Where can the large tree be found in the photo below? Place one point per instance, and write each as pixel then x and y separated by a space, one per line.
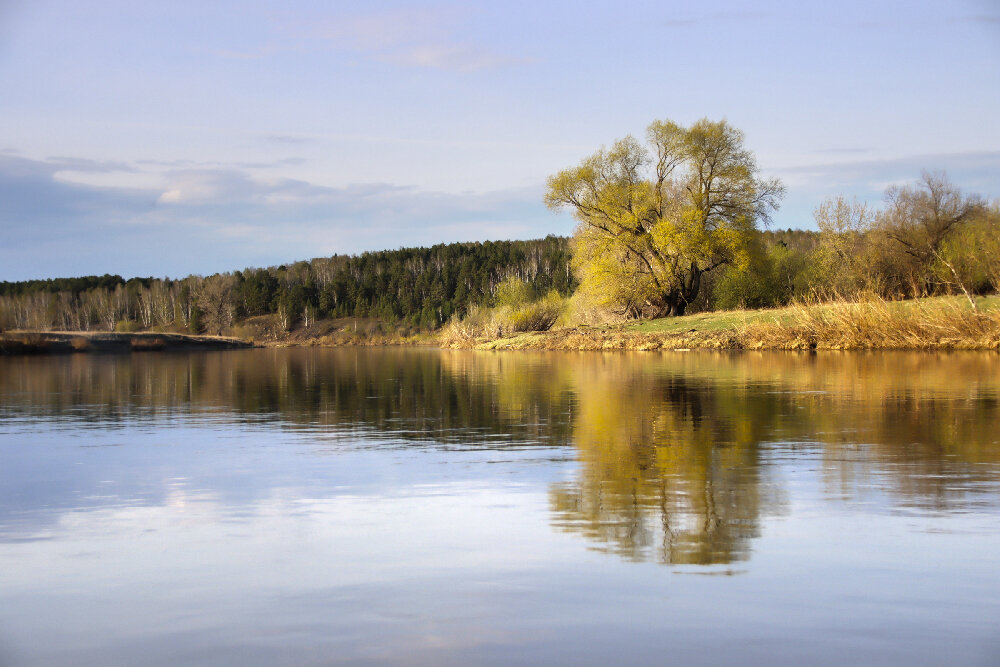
pixel 655 218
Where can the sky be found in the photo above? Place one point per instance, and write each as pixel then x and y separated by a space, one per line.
pixel 171 138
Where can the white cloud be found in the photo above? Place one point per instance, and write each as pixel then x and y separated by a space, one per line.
pixel 205 220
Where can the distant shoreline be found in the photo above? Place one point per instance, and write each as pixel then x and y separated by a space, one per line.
pixel 932 324
pixel 67 342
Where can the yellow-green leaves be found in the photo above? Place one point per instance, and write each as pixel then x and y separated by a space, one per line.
pixel 654 218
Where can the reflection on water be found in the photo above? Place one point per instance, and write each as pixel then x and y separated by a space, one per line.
pixel 409 394
pixel 672 450
pixel 672 467
pixel 227 475
pixel 676 451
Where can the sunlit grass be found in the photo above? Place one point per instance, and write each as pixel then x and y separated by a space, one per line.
pixel 731 319
pixel 868 323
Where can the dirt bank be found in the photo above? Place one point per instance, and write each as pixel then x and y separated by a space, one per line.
pixel 62 342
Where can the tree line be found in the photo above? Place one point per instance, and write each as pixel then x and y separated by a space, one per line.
pixel 929 239
pixel 419 287
pixel 675 223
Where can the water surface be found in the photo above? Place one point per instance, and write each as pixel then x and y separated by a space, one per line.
pixel 439 507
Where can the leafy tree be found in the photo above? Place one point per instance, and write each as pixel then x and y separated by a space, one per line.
pixel 654 220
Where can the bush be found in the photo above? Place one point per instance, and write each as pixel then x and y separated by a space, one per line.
pixel 538 315
pixel 127 326
pixel 513 293
pixel 772 279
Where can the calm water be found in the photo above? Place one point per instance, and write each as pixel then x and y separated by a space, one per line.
pixel 428 507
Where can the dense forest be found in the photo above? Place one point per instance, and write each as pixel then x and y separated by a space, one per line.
pixel 417 287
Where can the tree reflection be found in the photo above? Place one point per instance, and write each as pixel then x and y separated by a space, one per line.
pixel 676 451
pixel 670 471
pixel 680 454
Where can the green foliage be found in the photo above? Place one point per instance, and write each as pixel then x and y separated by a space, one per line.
pixel 256 292
pixel 513 293
pixel 127 326
pixel 654 220
pixel 971 256
pixel 72 285
pixel 772 278
pixel 426 286
pixel 195 325
pixel 415 287
pixel 538 315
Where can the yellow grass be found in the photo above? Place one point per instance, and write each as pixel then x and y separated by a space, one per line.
pixel 870 324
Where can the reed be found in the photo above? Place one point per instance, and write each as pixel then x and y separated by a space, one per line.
pixel 492 323
pixel 872 323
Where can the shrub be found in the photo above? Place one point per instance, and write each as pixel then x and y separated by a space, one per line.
pixel 538 315
pixel 513 293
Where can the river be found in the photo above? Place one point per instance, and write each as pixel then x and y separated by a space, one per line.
pixel 420 506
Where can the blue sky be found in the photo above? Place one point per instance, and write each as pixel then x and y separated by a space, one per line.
pixel 151 138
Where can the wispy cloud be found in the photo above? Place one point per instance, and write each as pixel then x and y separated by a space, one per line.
pixel 843 151
pixel 59 163
pixel 973 169
pixel 427 37
pixel 424 38
pixel 215 164
pixel 273 164
pixel 808 185
pixel 229 186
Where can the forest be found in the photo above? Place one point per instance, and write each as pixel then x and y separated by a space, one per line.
pixel 677 225
pixel 415 287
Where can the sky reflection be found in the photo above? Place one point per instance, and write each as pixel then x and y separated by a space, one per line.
pixel 417 506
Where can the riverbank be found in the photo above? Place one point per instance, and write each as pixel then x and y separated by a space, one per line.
pixel 65 342
pixel 940 323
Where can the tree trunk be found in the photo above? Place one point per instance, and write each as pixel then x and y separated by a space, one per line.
pixel 676 301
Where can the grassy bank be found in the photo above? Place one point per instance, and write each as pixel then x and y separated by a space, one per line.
pixel 920 324
pixel 939 323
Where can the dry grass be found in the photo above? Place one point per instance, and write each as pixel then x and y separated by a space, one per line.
pixel 869 324
pixel 876 324
pixel 484 324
